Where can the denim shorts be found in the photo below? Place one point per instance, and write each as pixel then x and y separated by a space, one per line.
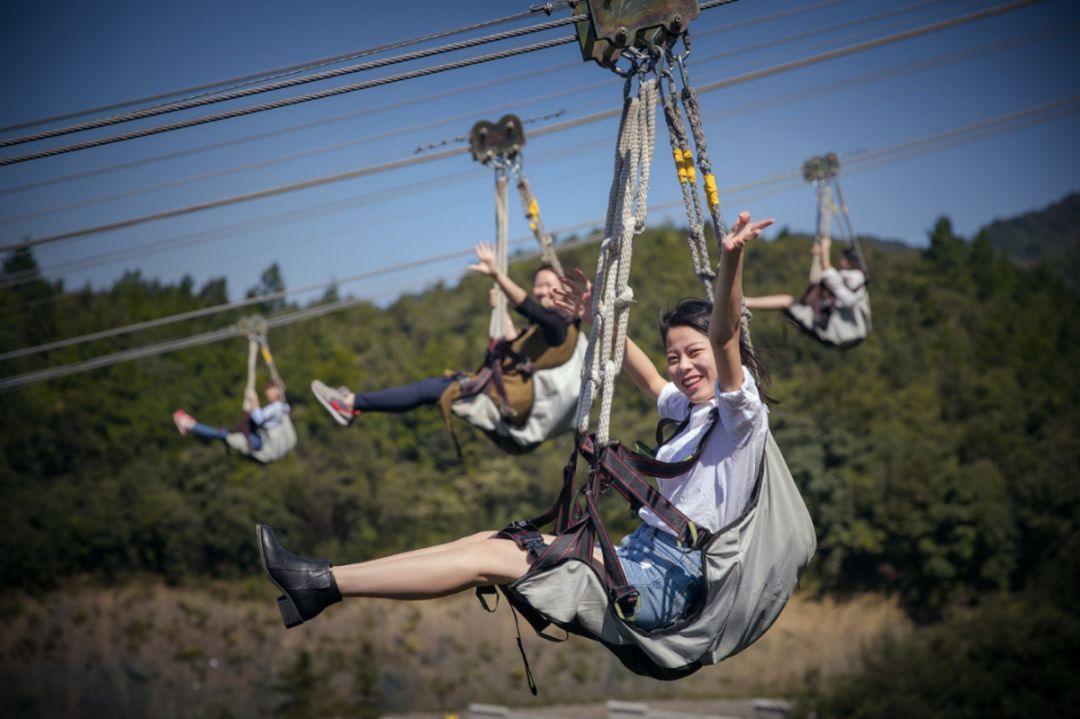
pixel 668 578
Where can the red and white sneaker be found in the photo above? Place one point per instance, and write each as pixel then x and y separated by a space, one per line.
pixel 335 402
pixel 184 421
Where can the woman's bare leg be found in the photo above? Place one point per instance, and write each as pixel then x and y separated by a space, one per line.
pixel 455 544
pixel 429 574
pixel 769 302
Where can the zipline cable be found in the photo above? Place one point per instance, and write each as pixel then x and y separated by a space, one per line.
pixel 397 105
pixel 699 61
pixel 266 75
pixel 556 127
pixel 296 100
pixel 285 84
pixel 860 161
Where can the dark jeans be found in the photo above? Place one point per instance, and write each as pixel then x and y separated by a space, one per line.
pixel 405 398
pixel 205 431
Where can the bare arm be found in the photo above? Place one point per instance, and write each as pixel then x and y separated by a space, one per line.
pixel 724 327
pixel 485 265
pixel 637 365
pixel 826 252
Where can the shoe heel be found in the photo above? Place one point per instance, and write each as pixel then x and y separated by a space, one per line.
pixel 289 615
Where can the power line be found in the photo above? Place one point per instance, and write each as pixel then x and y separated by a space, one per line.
pixel 243 80
pixel 555 127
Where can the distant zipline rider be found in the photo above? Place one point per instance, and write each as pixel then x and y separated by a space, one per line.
pixel 724 537
pixel 835 309
pixel 525 392
pixel 264 433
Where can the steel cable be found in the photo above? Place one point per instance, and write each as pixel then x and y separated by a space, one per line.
pixel 285 84
pixel 290 101
pixel 555 127
pixel 245 80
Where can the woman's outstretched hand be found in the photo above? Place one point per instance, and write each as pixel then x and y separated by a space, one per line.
pixel 743 231
pixel 485 260
pixel 574 297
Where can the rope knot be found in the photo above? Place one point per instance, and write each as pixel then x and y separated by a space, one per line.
pixel 625 298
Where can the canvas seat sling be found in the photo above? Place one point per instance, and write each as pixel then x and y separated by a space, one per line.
pixel 750 567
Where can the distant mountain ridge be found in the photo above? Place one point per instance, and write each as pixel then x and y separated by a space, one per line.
pixel 1047 234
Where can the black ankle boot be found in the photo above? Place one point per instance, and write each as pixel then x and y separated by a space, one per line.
pixel 307 585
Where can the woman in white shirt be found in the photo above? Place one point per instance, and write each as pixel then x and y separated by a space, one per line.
pixel 705 355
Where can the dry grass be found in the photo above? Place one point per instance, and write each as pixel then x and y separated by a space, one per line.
pixel 146 649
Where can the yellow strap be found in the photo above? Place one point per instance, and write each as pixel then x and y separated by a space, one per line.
pixel 266 355
pixel 679 166
pixel 534 207
pixel 710 190
pixel 691 173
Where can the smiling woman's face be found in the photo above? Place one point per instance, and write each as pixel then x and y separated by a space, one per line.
pixel 691 364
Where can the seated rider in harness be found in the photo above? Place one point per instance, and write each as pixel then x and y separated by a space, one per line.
pixel 256 423
pixel 552 330
pixel 829 287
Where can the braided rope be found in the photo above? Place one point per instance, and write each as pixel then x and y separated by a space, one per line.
pixel 500 312
pixel 627 208
pixel 684 168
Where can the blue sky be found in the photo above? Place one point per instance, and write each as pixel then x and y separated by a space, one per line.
pixel 60 57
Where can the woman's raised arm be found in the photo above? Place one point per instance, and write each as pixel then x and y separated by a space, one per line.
pixel 727 302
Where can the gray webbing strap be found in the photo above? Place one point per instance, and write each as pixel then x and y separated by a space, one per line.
pixel 249 389
pixel 536 223
pixel 852 238
pixel 500 313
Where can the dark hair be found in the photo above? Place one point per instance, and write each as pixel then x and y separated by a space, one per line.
pixel 849 254
pixel 695 313
pixel 544 266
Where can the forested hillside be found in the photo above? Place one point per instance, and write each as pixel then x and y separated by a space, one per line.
pixel 938 458
pixel 1050 237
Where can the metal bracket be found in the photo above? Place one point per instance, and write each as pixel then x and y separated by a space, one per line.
pixel 504 138
pixel 252 325
pixel 821 168
pixel 616 25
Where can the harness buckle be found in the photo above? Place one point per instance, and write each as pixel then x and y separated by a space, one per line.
pixel 627 606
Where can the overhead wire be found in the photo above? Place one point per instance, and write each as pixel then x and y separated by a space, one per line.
pixel 290 101
pixel 244 80
pixel 296 100
pixel 858 161
pixel 555 127
pixel 388 107
pixel 699 61
pixel 286 83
